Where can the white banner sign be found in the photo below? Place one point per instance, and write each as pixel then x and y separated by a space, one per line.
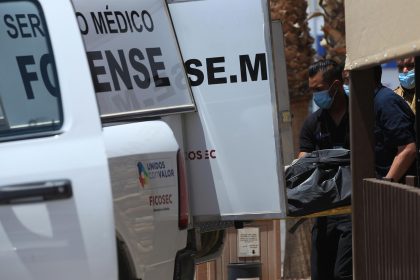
pixel 133 57
pixel 232 142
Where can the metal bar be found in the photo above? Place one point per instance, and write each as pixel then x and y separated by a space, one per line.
pixel 417 97
pixel 362 155
pixel 411 180
pixel 391 226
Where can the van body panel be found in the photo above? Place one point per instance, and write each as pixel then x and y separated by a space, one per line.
pixel 225 125
pixel 143 165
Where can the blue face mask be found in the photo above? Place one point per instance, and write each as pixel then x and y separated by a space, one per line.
pixel 346 89
pixel 407 79
pixel 323 99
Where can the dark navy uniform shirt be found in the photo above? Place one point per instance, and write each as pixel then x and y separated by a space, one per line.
pixel 319 132
pixel 394 127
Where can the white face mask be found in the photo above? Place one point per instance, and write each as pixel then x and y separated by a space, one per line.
pixel 407 80
pixel 346 89
pixel 323 99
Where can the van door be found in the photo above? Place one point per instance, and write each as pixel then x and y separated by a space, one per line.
pixel 233 141
pixel 56 218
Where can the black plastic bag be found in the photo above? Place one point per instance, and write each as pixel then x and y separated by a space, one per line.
pixel 319 181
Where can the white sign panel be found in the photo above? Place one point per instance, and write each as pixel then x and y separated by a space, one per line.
pixel 232 142
pixel 249 242
pixel 133 57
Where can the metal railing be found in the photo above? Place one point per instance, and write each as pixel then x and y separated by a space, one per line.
pixel 390 245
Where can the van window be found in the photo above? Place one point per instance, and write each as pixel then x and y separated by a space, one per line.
pixel 30 102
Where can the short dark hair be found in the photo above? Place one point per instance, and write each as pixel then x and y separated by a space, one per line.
pixel 331 70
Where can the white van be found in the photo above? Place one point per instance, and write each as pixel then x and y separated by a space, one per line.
pixel 56 215
pixel 183 133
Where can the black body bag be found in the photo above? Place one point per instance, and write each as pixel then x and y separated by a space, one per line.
pixel 319 181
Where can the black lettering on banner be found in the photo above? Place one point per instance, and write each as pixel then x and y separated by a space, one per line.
pixel 150 26
pixel 29 25
pixel 13 32
pixel 99 23
pixel 201 154
pixel 164 199
pixel 191 155
pixel 120 72
pixel 97 70
pixel 212 153
pixel 156 66
pixel 116 21
pixel 120 17
pixel 212 70
pixel 140 27
pixel 27 77
pixel 119 68
pixel 259 62
pixel 194 71
pixel 35 24
pixel 110 21
pixel 156 165
pixel 84 30
pixel 129 21
pixel 47 59
pixel 134 56
pixel 22 25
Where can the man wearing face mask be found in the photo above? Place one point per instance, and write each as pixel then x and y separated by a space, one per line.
pixel 328 128
pixel 395 137
pixel 407 81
